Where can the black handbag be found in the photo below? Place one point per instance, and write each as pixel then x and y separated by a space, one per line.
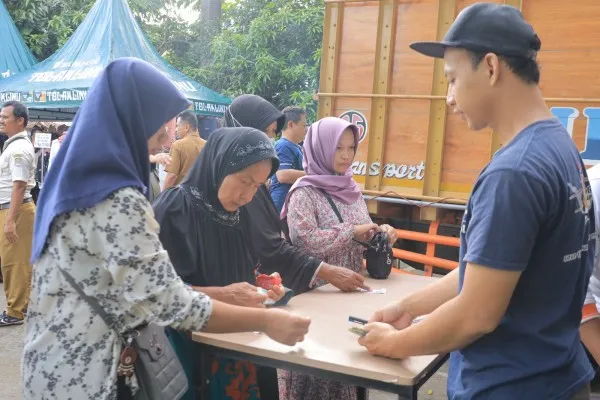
pixel 379 255
pixel 378 252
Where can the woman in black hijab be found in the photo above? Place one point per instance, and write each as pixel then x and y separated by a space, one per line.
pixel 275 255
pixel 255 112
pixel 297 269
pixel 203 229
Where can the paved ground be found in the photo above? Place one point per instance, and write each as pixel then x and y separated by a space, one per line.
pixel 11 345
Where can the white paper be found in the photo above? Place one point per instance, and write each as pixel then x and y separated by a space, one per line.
pixel 374 291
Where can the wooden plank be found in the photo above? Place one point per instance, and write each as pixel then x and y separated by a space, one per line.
pixel 437 116
pixel 384 61
pixel 443 97
pixel 515 3
pixel 412 71
pixel 332 36
pixel 357 53
pixel 565 27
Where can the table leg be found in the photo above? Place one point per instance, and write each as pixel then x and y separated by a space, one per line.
pixel 362 393
pixel 413 396
pixel 205 360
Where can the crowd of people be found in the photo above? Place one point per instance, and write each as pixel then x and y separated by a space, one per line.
pixel 94 222
pixel 185 256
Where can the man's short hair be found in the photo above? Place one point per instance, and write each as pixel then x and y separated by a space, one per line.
pixel 19 111
pixel 189 118
pixel 527 69
pixel 294 114
pixel 62 129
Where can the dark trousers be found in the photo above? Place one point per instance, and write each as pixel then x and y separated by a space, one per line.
pixel 35 193
pixel 267 382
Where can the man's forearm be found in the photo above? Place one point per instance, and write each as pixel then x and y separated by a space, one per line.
pixel 289 176
pixel 433 296
pixel 16 199
pixel 448 328
pixel 590 336
pixel 169 181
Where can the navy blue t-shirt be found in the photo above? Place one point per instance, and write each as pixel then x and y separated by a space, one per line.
pixel 206 126
pixel 290 157
pixel 530 211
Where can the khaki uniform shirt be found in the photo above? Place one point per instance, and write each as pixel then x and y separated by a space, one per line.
pixel 183 155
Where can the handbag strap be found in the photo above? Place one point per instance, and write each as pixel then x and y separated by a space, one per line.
pixel 333 206
pixel 92 302
pixel 339 216
pixel 11 142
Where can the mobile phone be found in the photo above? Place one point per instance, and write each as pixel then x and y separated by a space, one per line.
pixel 289 293
pixel 357 331
pixel 357 320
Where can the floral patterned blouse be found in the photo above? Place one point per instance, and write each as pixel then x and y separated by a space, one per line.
pixel 112 250
pixel 316 229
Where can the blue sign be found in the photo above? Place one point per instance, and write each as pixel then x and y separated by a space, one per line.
pixel 567 116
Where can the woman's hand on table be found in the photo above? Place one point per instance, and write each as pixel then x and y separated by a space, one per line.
pixel 285 327
pixel 379 339
pixel 244 294
pixel 364 232
pixel 391 232
pixel 342 278
pixel 277 291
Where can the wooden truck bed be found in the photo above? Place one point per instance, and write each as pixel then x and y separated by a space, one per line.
pixel 410 143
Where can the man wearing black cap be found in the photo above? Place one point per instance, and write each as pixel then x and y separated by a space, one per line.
pixel 510 313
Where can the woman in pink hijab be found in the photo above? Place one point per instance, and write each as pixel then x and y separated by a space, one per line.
pixel 329 150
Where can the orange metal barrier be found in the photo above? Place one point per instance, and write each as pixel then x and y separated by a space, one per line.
pixel 423 259
pixel 432 239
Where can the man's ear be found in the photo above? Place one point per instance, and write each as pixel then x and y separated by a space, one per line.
pixel 491 63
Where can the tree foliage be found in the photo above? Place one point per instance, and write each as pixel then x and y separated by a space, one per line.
pixel 47 24
pixel 271 48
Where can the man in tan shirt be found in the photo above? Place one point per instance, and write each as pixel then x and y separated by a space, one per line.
pixel 185 150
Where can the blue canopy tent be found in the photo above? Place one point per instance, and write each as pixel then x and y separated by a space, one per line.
pixel 15 56
pixel 54 88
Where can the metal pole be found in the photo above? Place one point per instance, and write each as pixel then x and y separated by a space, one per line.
pixel 43 168
pixel 416 203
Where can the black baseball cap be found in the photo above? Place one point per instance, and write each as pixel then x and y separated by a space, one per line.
pixel 486 27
